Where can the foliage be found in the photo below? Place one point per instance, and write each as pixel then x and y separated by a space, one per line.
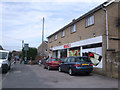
pixel 31 53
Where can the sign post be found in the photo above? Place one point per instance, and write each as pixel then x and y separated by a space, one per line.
pixel 26 48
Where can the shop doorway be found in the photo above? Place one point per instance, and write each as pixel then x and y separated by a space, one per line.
pixel 63 53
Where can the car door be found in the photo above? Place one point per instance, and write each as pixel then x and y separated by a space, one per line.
pixel 63 64
pixel 67 64
pixel 72 62
pixel 47 61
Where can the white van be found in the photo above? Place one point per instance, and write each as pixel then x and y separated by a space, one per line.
pixel 5 63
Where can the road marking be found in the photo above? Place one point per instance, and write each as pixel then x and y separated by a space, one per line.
pixel 7 72
pixel 12 63
pixel 5 76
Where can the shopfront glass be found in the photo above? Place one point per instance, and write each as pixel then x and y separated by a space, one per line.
pixel 63 53
pixel 74 51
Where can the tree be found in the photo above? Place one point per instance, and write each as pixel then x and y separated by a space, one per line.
pixel 1 47
pixel 31 53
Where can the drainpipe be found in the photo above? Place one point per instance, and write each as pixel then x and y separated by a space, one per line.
pixel 106 25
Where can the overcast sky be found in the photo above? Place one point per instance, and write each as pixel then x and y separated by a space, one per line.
pixel 23 20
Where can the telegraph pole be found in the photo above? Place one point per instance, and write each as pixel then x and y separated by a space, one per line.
pixel 42 35
pixel 43 31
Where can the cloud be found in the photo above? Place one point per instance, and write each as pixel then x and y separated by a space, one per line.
pixel 58 1
pixel 23 20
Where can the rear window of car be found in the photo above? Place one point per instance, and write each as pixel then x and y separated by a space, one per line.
pixel 83 59
pixel 55 59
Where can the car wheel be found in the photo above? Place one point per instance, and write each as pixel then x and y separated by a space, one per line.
pixel 48 67
pixel 5 71
pixel 87 73
pixel 60 70
pixel 70 72
pixel 9 67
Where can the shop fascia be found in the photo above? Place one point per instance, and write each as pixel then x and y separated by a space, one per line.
pixel 78 43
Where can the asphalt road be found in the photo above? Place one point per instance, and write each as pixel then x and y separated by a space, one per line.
pixel 34 76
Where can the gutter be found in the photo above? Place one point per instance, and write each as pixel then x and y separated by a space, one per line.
pixel 106 26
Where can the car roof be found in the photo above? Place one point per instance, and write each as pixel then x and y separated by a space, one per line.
pixel 4 51
pixel 78 56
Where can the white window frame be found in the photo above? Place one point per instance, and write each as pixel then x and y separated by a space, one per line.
pixel 90 21
pixel 50 39
pixel 63 33
pixel 74 28
pixel 56 37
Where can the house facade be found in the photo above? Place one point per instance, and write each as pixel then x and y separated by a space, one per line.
pixel 43 49
pixel 96 31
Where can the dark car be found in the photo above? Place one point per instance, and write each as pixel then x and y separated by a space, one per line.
pixel 76 65
pixel 52 63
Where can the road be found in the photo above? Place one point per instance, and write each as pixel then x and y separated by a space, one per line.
pixel 34 76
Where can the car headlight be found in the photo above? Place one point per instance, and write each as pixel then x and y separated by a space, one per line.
pixel 4 62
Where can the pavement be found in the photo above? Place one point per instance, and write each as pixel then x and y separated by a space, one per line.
pixel 34 76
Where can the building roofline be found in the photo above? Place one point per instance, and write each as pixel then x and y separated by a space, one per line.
pixel 83 16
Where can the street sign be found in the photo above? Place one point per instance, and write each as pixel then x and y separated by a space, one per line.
pixel 26 47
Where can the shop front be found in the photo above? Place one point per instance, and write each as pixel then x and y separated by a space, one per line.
pixel 80 48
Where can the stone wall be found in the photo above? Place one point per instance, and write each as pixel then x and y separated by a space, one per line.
pixel 112 64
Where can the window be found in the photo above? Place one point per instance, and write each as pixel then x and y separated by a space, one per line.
pixel 50 39
pixel 55 59
pixel 65 60
pixel 74 28
pixel 72 59
pixel 90 21
pixel 56 37
pixel 68 60
pixel 63 33
pixel 83 59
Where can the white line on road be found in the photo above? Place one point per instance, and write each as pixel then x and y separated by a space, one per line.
pixel 8 72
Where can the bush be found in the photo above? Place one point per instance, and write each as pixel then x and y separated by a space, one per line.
pixel 31 53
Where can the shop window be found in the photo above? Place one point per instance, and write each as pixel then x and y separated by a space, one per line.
pixel 90 21
pixel 74 52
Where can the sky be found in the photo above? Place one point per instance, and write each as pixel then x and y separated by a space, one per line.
pixel 22 20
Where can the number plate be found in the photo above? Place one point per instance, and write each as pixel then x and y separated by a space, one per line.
pixel 57 63
pixel 84 64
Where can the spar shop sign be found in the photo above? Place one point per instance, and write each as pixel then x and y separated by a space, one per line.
pixel 67 46
pixel 95 58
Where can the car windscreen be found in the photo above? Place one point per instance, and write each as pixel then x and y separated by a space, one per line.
pixel 62 59
pixel 82 59
pixel 3 55
pixel 55 59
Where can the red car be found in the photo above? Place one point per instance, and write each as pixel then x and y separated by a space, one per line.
pixel 52 63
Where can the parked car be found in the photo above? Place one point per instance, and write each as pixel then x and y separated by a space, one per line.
pixel 52 63
pixel 75 65
pixel 5 63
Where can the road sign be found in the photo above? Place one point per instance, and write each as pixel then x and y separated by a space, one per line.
pixel 26 47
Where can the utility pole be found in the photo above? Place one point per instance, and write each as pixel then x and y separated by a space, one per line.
pixel 42 35
pixel 43 31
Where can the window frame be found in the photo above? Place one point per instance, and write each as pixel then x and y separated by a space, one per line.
pixel 55 36
pixel 50 39
pixel 90 20
pixel 73 29
pixel 63 35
